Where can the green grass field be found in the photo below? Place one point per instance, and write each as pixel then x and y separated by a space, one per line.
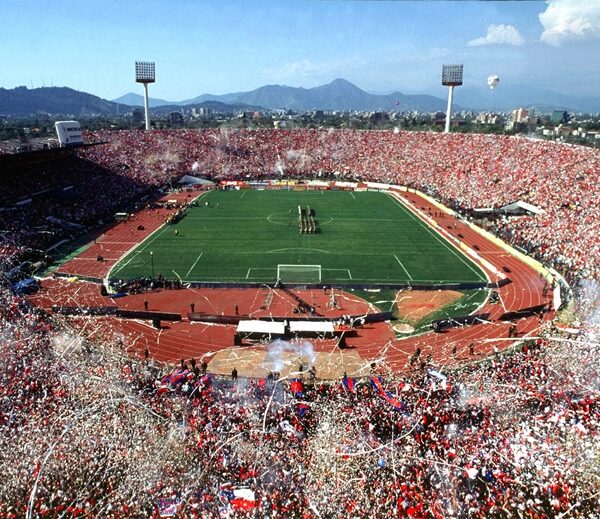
pixel 241 236
pixel 385 300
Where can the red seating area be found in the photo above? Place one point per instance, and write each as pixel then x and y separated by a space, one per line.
pixel 87 431
pixel 465 171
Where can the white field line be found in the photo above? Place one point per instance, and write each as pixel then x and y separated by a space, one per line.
pixel 271 269
pixel 229 278
pixel 349 277
pixel 286 218
pixel 352 195
pixel 295 249
pixel 162 228
pixel 403 268
pixel 340 270
pixel 192 267
pixel 444 242
pixel 154 235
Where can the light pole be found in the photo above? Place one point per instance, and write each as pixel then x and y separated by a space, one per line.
pixel 145 72
pixel 152 263
pixel 452 75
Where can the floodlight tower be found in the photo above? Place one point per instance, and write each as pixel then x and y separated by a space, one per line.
pixel 145 73
pixel 452 75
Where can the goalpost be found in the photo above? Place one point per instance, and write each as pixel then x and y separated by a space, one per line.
pixel 299 273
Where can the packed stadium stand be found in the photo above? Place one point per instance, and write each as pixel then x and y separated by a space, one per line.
pixel 89 431
pixel 464 171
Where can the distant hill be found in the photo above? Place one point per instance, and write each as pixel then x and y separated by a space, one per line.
pixel 132 99
pixel 343 95
pixel 508 96
pixel 337 95
pixel 22 101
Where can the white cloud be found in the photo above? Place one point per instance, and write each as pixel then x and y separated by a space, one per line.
pixel 565 20
pixel 499 35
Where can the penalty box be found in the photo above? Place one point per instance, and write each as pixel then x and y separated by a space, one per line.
pixel 294 273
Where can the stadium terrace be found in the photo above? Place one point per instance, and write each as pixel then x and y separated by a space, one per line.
pixel 464 171
pixel 94 422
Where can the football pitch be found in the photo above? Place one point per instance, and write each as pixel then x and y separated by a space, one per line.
pixel 242 236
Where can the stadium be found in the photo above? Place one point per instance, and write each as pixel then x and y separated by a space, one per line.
pixel 305 313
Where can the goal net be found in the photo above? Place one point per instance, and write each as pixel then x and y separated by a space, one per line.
pixel 299 273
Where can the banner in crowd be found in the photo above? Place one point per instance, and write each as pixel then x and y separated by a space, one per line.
pixel 376 382
pixel 349 384
pixel 167 506
pixel 177 377
pixel 302 409
pixel 233 498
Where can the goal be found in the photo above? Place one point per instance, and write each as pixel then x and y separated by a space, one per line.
pixel 299 273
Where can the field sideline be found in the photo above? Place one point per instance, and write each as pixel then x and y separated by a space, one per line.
pixel 241 236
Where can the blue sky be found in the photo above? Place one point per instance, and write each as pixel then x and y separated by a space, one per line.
pixel 226 46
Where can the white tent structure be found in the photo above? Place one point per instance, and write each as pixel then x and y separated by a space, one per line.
pixel 189 180
pixel 261 329
pixel 515 209
pixel 311 328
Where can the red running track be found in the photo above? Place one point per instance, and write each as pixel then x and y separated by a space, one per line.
pixel 187 339
pixel 525 290
pixel 120 239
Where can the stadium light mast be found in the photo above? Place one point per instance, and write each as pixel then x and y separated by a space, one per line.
pixel 145 73
pixel 452 75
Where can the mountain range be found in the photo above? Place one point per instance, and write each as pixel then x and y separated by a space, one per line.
pixel 343 95
pixel 337 95
pixel 22 101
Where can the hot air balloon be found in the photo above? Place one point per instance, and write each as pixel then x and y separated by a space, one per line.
pixel 493 81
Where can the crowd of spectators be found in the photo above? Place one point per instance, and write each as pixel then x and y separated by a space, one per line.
pixel 466 171
pixel 46 201
pixel 87 430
